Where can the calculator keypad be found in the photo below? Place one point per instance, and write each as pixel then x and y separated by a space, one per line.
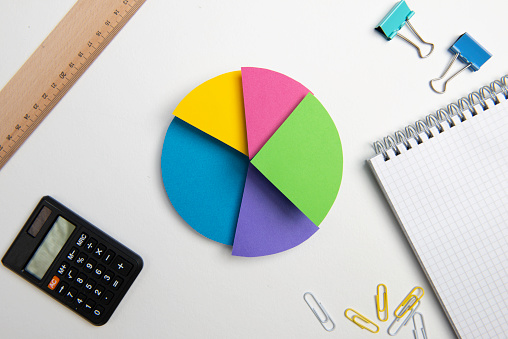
pixel 89 276
pixel 90 245
pixel 122 266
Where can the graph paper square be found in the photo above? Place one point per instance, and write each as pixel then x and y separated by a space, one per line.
pixel 450 195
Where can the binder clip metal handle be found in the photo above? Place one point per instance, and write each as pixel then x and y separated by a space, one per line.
pixel 445 72
pixel 420 38
pixel 467 50
pixel 393 22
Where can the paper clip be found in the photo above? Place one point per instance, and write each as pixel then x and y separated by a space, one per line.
pixel 393 22
pixel 362 318
pixel 419 328
pixel 467 50
pixel 406 301
pixel 327 316
pixel 384 310
pixel 413 304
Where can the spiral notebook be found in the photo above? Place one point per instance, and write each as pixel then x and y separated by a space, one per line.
pixel 446 180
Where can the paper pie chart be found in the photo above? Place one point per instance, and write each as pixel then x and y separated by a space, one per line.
pixel 252 159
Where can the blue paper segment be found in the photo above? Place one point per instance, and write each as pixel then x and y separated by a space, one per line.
pixel 470 51
pixel 395 19
pixel 204 179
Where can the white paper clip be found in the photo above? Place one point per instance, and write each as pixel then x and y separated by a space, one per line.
pixel 327 319
pixel 419 328
pixel 412 304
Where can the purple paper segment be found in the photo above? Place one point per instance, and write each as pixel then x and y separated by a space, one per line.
pixel 268 222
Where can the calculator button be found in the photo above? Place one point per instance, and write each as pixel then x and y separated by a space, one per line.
pixel 99 271
pixel 117 283
pixel 90 264
pixel 81 240
pixel 62 288
pixel 90 284
pixel 90 244
pixel 71 294
pixel 63 268
pixel 108 295
pixel 71 273
pixel 80 300
pixel 81 259
pixel 80 280
pixel 53 283
pixel 122 266
pixel 89 305
pixel 108 256
pixel 72 254
pixel 106 278
pixel 99 251
pixel 98 310
pixel 98 291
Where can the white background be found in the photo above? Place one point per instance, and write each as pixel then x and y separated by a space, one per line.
pixel 98 152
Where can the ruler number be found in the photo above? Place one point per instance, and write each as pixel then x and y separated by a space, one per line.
pixel 75 60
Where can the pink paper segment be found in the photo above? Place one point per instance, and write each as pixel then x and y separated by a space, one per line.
pixel 269 98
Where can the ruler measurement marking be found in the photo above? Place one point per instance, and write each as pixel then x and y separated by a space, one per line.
pixel 111 30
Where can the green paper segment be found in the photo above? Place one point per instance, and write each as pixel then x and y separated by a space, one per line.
pixel 303 159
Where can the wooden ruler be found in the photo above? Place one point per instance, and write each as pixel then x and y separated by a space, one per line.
pixel 56 65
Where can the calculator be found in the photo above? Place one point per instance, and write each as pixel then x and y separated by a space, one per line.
pixel 73 261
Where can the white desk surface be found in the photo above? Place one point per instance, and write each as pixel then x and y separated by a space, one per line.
pixel 98 152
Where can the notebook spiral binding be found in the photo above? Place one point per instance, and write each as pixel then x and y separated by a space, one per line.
pixel 442 115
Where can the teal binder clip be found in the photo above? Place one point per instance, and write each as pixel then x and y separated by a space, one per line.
pixel 393 22
pixel 470 52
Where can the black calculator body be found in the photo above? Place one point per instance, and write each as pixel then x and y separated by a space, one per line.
pixel 73 261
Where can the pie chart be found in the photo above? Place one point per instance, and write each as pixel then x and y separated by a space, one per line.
pixel 253 160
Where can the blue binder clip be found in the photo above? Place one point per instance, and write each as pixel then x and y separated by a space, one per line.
pixel 470 52
pixel 393 22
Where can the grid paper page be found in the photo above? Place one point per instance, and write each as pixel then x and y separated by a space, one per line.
pixel 450 195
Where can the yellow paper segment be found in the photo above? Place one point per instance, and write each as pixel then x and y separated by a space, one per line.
pixel 216 108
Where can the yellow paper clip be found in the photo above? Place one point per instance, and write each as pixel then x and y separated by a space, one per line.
pixel 327 318
pixel 406 300
pixel 384 310
pixel 362 318
pixel 411 304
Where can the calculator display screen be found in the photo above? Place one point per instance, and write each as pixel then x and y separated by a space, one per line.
pixel 50 247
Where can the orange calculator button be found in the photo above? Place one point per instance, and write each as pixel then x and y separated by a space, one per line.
pixel 53 283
